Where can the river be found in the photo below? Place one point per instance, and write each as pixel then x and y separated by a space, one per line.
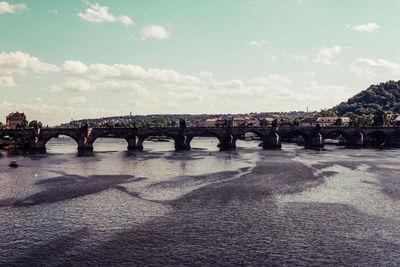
pixel 158 207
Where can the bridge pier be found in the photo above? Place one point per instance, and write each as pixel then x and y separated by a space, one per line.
pixel 84 141
pixel 272 141
pixel 227 142
pixel 315 141
pixel 135 142
pixel 84 145
pixel 182 143
pixel 356 140
pixel 37 143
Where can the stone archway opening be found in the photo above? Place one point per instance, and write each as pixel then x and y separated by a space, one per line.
pixel 109 143
pixel 249 139
pixel 159 143
pixel 61 144
pixel 205 142
pixel 295 138
pixel 376 139
pixel 337 138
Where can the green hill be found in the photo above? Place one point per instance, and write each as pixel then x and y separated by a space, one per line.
pixel 384 96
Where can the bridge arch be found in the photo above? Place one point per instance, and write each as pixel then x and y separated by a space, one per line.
pixel 309 139
pixel 48 140
pixel 109 142
pixel 200 142
pixel 163 138
pixel 339 135
pixel 257 138
pixel 377 139
pixel 104 134
pixel 297 136
pixel 395 139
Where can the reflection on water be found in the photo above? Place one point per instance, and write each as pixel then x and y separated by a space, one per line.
pixel 200 207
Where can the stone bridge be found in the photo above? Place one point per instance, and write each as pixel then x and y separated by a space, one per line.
pixel 271 136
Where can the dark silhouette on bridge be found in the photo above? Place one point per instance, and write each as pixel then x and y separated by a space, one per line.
pixel 310 137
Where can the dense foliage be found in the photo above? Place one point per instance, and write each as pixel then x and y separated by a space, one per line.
pixel 384 96
pixel 369 107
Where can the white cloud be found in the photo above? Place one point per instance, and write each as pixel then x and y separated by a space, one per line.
pixel 127 21
pixel 118 86
pixel 53 89
pixel 7 81
pixel 97 14
pixel 7 8
pixel 157 90
pixel 260 43
pixel 80 85
pixel 369 27
pixel 154 31
pixel 35 99
pixel 77 86
pixel 231 85
pixel 102 70
pixel 369 67
pixel 41 67
pixel 206 74
pixel 299 57
pixel 74 67
pixel 295 56
pixel 322 93
pixel 130 72
pixel 54 11
pixel 76 100
pixel 18 61
pixel 272 57
pixel 54 114
pixel 270 80
pixel 326 54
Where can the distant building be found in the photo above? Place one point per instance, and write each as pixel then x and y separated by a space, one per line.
pixel 238 122
pixel 394 119
pixel 330 121
pixel 252 122
pixel 309 122
pixel 15 119
pixel 207 123
pixel 324 121
pixel 268 119
pixel 221 123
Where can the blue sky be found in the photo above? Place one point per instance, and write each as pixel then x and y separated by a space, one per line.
pixel 84 59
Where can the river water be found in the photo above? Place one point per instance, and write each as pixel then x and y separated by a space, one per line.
pixel 156 207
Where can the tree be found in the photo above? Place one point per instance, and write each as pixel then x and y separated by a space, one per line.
pixel 264 122
pixel 22 124
pixel 326 113
pixel 35 124
pixel 379 118
pixel 297 120
pixel 339 122
pixel 286 122
pixel 384 96
pixel 109 124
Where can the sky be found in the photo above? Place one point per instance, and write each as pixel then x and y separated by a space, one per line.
pixel 76 59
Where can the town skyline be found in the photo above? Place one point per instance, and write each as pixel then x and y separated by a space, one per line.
pixel 92 59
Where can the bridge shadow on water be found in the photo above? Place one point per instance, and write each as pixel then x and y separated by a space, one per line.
pixel 66 186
